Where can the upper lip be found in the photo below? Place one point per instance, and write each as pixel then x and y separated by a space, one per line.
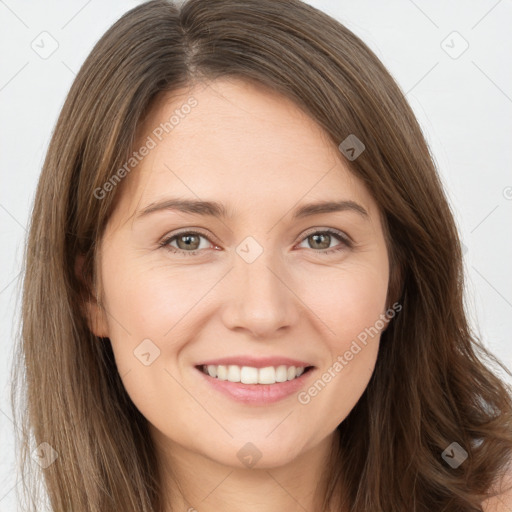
pixel 255 362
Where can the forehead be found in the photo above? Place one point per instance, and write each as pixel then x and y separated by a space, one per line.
pixel 240 144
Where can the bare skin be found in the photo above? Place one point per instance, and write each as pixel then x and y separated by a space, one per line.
pixel 261 157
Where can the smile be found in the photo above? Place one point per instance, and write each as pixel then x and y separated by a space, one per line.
pixel 255 386
pixel 252 375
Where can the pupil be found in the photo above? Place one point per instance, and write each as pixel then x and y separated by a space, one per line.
pixel 186 239
pixel 316 237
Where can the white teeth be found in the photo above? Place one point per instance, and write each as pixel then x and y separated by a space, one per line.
pixel 266 375
pixel 281 374
pixel 251 375
pixel 222 373
pixel 233 373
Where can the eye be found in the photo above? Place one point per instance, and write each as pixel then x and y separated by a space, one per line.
pixel 189 242
pixel 322 240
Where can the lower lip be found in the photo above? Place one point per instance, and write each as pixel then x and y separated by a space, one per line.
pixel 258 394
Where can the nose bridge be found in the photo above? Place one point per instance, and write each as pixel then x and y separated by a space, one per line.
pixel 260 299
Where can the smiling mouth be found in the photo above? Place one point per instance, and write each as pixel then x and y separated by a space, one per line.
pixel 252 375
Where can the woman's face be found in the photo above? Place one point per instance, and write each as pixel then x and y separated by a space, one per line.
pixel 261 287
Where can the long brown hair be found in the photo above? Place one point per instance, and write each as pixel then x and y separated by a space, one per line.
pixel 430 387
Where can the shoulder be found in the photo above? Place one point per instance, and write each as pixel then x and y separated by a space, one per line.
pixel 502 502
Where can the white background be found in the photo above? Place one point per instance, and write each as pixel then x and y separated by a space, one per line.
pixel 463 104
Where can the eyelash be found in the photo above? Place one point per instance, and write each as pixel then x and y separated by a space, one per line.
pixel 337 234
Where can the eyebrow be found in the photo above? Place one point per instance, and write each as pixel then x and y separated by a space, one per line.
pixel 216 209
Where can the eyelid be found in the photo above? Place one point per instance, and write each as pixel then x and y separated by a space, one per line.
pixel 190 230
pixel 347 239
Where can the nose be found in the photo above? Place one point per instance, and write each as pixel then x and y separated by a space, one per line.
pixel 260 298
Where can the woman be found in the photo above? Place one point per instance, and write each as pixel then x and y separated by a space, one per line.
pixel 254 299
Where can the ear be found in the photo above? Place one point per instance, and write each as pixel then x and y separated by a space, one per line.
pixel 92 307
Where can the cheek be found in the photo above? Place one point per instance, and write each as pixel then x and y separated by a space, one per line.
pixel 349 300
pixel 145 307
pixel 350 303
pixel 148 301
pixel 154 302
